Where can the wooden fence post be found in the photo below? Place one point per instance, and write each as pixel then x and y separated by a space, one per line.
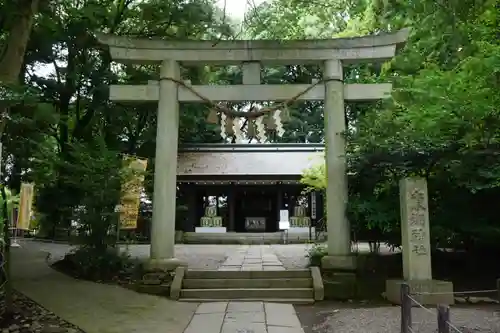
pixel 498 289
pixel 406 304
pixel 443 312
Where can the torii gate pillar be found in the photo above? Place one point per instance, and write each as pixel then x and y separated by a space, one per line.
pixel 338 228
pixel 165 176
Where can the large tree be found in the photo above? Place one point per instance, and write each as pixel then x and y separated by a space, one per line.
pixel 441 122
pixel 16 22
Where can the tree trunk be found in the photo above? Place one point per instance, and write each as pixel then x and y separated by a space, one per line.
pixel 17 40
pixel 10 66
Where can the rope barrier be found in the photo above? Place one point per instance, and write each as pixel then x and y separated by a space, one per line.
pixel 253 112
pixel 458 292
pixel 420 305
pixel 415 302
pixel 431 312
pixel 442 311
pixel 453 327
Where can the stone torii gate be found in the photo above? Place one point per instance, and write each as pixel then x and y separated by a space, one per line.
pixel 333 53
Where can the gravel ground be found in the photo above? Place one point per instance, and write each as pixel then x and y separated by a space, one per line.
pixel 29 317
pixel 205 256
pixel 328 318
pixel 292 256
pixel 197 256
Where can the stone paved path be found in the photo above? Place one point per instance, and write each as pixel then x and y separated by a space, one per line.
pixel 244 317
pixel 247 317
pixel 94 307
pixel 252 258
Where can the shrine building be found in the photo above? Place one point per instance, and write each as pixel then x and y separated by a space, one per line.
pixel 241 188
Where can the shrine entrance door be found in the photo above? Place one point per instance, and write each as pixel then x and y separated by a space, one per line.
pixel 256 209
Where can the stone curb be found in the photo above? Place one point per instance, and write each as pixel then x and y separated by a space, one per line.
pixel 319 289
pixel 44 240
pixel 176 286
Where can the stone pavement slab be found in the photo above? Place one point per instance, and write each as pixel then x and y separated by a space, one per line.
pixel 282 315
pixel 245 307
pixel 206 323
pixel 252 258
pixel 212 307
pixel 245 317
pixel 248 328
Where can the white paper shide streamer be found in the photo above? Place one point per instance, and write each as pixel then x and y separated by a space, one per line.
pixel 279 125
pixel 261 131
pixel 238 134
pixel 223 120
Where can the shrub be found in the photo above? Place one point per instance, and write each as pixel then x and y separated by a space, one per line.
pixel 94 176
pixel 315 253
pixel 97 265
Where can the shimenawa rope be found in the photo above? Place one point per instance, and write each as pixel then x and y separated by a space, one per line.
pixel 253 113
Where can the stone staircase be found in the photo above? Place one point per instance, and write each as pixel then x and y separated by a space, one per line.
pixel 286 286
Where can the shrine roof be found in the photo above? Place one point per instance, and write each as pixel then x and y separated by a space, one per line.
pixel 248 159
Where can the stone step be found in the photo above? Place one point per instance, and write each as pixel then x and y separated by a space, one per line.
pixel 247 238
pixel 270 300
pixel 254 293
pixel 285 274
pixel 247 283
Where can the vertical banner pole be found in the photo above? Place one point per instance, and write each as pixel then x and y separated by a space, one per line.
pixel 14 223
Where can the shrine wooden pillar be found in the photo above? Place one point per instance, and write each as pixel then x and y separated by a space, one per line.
pixel 192 214
pixel 231 202
pixel 200 205
pixel 320 208
pixel 279 203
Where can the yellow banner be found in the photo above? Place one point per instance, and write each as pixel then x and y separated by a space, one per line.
pixel 131 191
pixel 25 203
